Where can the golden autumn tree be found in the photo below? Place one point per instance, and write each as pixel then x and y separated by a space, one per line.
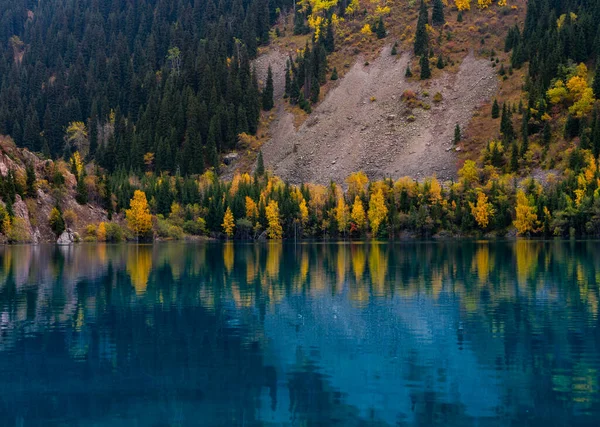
pixel 483 4
pixel 228 222
pixel 138 215
pixel 342 215
pixel 251 209
pixel 358 216
pixel 526 219
pixel 101 232
pixel 274 229
pixel 357 183
pixel 463 4
pixel 303 210
pixel 377 211
pixel 482 211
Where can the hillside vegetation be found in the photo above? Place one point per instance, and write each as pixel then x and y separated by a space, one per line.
pixel 482 94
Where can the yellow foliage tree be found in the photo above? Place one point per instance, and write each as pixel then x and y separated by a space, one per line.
pixel 76 163
pixel 251 209
pixel 377 211
pixel 357 183
pixel 463 4
pixel 274 230
pixel 138 215
pixel 342 215
pixel 469 172
pixel 358 216
pixel 526 220
pixel 366 30
pixel 483 4
pixel 101 232
pixel 482 211
pixel 77 136
pixel 228 222
pixel 303 212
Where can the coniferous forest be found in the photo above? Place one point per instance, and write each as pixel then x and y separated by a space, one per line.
pixel 136 101
pixel 169 77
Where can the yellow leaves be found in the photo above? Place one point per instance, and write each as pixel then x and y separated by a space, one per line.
pixel 303 212
pixel 357 183
pixel 358 216
pixel 557 93
pixel 576 85
pixel 526 220
pixel 274 230
pixel 561 20
pixel 382 10
pixel 435 191
pixel 352 7
pixel 366 30
pixel 377 211
pixel 469 173
pixel 76 163
pixel 101 232
pixel 502 3
pixel 138 215
pixel 584 105
pixel 482 211
pixel 342 215
pixel 251 209
pixel 463 4
pixel 483 4
pixel 228 223
pixel 316 22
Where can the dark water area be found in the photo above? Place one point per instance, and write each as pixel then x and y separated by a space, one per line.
pixel 411 334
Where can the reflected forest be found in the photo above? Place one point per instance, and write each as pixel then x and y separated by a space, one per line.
pixel 342 334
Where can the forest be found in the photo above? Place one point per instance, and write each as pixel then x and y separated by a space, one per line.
pixel 139 114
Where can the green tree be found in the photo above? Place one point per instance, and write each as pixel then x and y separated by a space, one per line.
pixel 425 70
pixel 437 13
pixel 260 165
pixel 495 110
pixel 380 30
pixel 421 45
pixel 457 134
pixel 267 95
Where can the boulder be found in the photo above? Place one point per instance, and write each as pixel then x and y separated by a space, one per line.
pixel 230 158
pixel 68 237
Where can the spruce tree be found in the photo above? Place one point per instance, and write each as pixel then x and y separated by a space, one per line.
pixel 421 46
pixel 30 181
pixel 440 62
pixel 329 41
pixel 82 193
pixel 506 127
pixel 425 70
pixel 457 134
pixel 334 74
pixel 596 83
pixel 437 13
pixel 267 95
pixel 380 29
pixel 525 132
pixel 514 157
pixel 394 49
pixel 495 110
pixel 547 134
pixel 260 164
pixel 408 73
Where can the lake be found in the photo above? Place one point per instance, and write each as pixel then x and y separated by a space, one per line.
pixel 218 334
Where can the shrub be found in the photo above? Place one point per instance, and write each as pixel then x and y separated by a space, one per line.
pixel 57 223
pixel 438 97
pixel 411 118
pixel 426 107
pixel 114 232
pixel 69 216
pixel 18 231
pixel 196 228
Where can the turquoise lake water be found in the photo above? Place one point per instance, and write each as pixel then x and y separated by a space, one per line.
pixel 216 334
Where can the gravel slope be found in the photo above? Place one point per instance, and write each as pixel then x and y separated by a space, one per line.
pixel 348 132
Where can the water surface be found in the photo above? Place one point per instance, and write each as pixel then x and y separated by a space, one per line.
pixel 412 334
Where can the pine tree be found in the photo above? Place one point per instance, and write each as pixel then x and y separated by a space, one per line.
pixel 329 41
pixel 495 110
pixel 334 74
pixel 394 51
pixel 440 62
pixel 82 192
pixel 525 132
pixel 267 95
pixel 514 157
pixel 30 181
pixel 596 83
pixel 437 14
pixel 547 134
pixel 380 29
pixel 506 127
pixel 408 73
pixel 260 165
pixel 457 134
pixel 421 45
pixel 425 70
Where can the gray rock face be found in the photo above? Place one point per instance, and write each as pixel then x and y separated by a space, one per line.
pixel 68 237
